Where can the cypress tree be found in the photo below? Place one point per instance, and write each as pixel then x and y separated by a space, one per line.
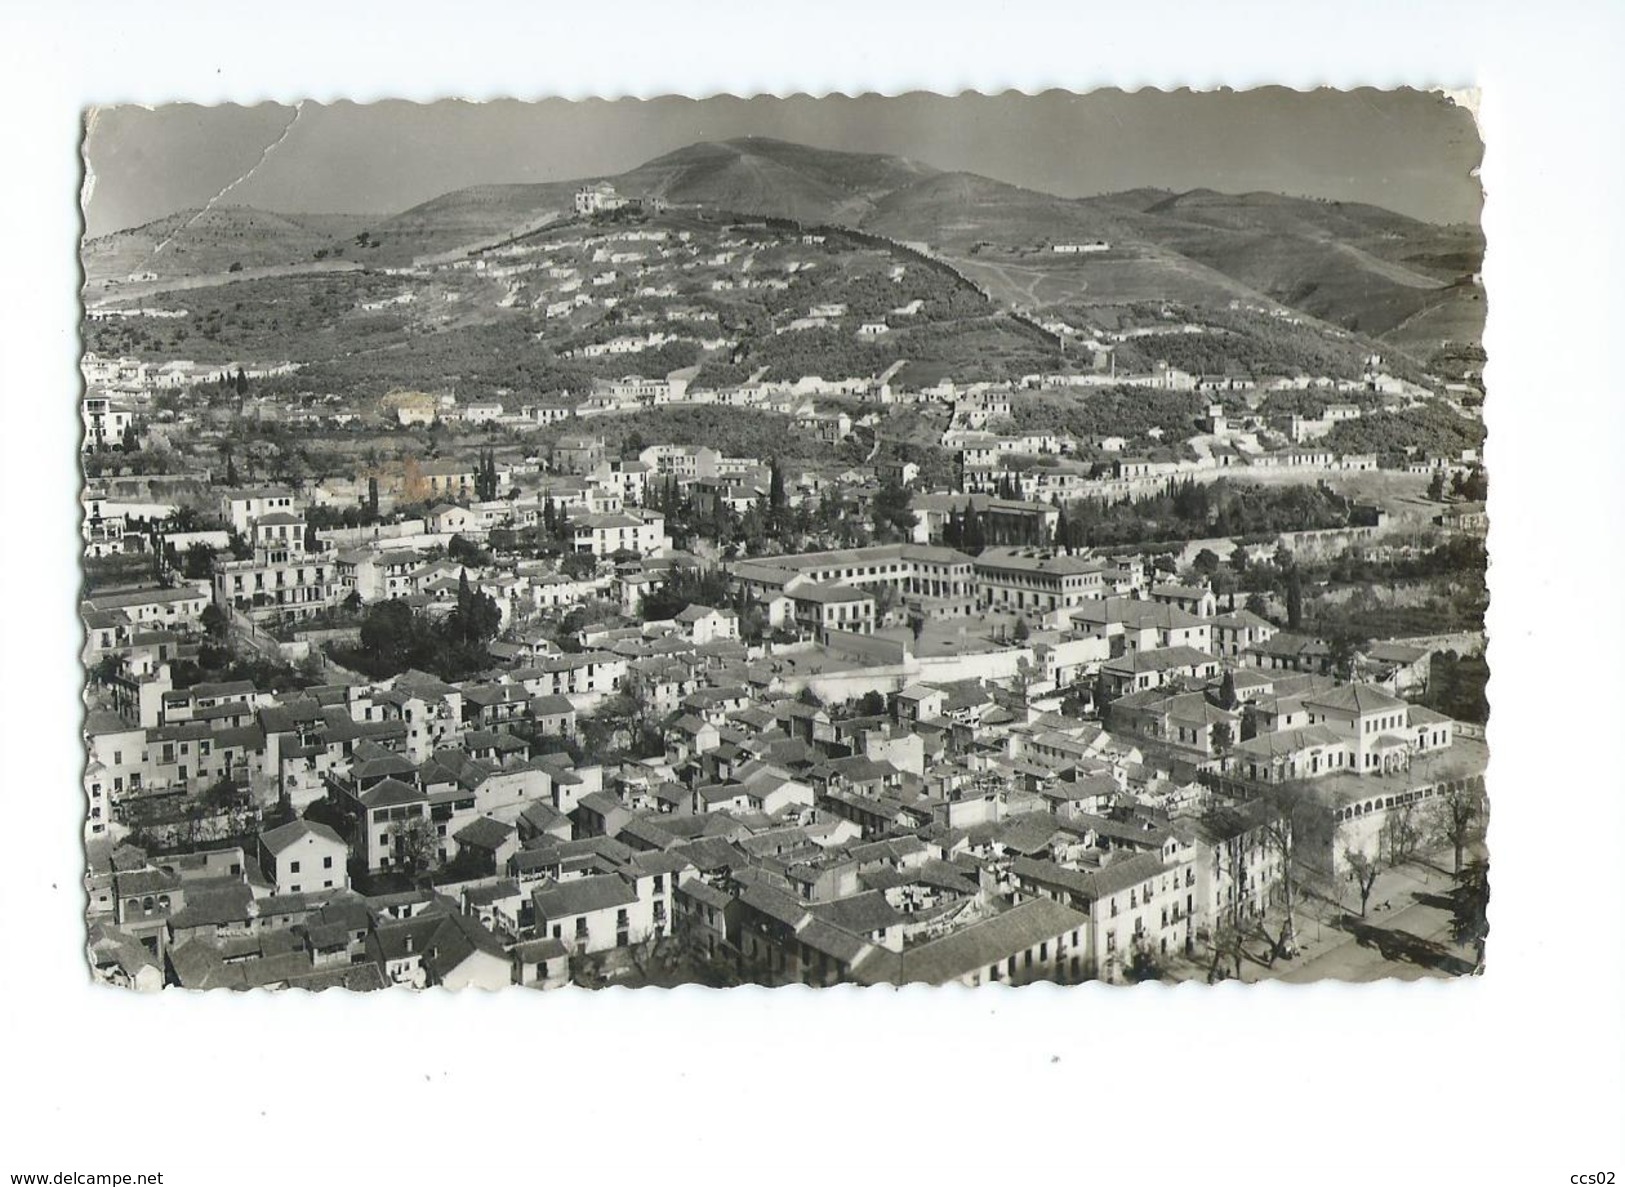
pixel 465 605
pixel 775 486
pixel 974 539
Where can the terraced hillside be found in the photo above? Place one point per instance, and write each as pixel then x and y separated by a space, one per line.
pixel 1360 267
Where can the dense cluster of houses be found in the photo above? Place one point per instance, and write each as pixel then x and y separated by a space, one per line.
pixel 891 787
pixel 1013 763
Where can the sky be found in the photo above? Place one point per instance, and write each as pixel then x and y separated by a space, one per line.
pixel 1409 151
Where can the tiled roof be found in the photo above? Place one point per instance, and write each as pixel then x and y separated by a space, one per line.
pixel 972 948
pixel 278 839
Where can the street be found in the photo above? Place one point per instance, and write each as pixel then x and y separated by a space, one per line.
pixel 1405 933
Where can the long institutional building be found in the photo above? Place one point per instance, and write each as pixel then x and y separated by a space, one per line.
pixel 1015 579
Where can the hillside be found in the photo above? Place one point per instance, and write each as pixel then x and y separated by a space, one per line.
pixel 758 175
pixel 193 242
pixel 685 291
pixel 1356 266
pixel 954 211
pixel 1003 236
pixel 471 216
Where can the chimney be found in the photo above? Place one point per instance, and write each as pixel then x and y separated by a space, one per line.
pixel 409 941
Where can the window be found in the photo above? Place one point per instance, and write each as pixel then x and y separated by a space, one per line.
pixel 293 867
pixel 327 863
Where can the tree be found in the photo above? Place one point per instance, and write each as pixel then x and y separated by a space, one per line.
pixel 477 617
pixel 1277 833
pixel 1475 487
pixel 1256 605
pixel 388 635
pixel 1294 600
pixel 683 588
pixel 414 843
pixel 1102 694
pixel 466 552
pixel 485 478
pixel 1345 647
pixel 1454 816
pixel 372 497
pixel 1229 943
pixel 1145 965
pixel 231 469
pixel 973 536
pixel 198 563
pixel 1223 738
pixel 1364 871
pixel 214 621
pixel 892 514
pixel 241 382
pixel 1436 487
pixel 465 592
pixel 1469 922
pixel 1206 563
pixel 1400 834
pixel 775 486
pixel 578 564
pixel 1227 690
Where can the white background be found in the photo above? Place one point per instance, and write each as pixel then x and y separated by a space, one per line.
pixel 1515 1077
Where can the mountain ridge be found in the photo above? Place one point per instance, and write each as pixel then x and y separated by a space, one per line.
pixel 1356 265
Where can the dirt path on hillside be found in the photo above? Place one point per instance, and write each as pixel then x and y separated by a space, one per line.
pixel 122 293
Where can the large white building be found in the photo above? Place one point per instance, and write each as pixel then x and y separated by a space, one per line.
pixel 642 532
pixel 106 421
pixel 1033 579
pixel 284 578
